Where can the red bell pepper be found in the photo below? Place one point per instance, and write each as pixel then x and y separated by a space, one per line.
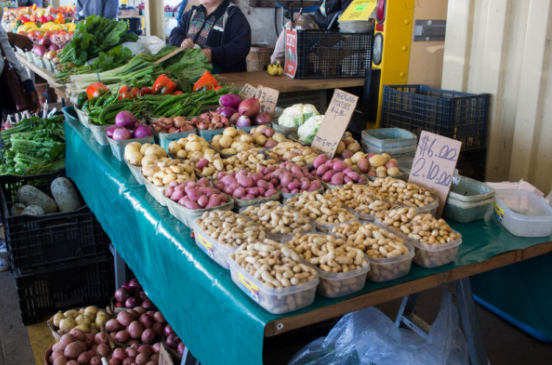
pixel 95 90
pixel 124 92
pixel 134 93
pixel 145 91
pixel 178 92
pixel 163 85
pixel 205 82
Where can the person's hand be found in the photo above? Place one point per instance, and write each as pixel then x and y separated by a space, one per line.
pixel 20 41
pixel 207 53
pixel 187 43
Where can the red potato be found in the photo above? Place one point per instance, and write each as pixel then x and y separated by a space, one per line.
pixel 103 350
pixel 84 358
pixel 119 354
pixel 74 349
pixel 96 360
pixel 101 338
pixel 62 360
pixel 114 362
pixel 122 336
pixel 124 318
pixel 77 334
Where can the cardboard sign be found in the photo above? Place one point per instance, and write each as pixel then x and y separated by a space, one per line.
pixel 434 164
pixel 290 67
pixel 268 98
pixel 248 91
pixel 335 122
pixel 358 10
pixel 164 357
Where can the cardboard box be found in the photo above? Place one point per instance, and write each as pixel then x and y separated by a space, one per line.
pixel 165 357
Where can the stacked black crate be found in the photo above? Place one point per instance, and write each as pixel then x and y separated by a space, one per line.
pixel 59 260
pixel 452 114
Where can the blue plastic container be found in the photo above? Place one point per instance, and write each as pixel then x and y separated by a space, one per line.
pixel 70 114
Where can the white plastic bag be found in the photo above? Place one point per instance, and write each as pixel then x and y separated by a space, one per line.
pixel 148 45
pixel 369 337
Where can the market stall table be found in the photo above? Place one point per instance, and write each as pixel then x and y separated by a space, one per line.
pixel 47 75
pixel 213 317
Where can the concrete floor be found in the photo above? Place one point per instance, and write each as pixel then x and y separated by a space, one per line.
pixel 505 344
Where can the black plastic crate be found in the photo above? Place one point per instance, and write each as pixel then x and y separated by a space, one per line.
pixel 472 163
pixel 80 283
pixel 328 54
pixel 50 239
pixel 462 116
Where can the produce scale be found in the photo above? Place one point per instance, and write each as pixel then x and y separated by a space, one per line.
pixel 240 207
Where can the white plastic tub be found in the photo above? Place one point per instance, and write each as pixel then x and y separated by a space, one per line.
pixel 136 172
pixel 387 269
pixel 335 285
pixel 212 248
pixel 274 300
pixel 523 213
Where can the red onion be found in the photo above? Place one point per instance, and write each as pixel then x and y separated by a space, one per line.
pixel 53 47
pixel 262 119
pixel 169 330
pixel 132 302
pixel 249 107
pixel 125 119
pixel 44 42
pixel 243 121
pixel 181 348
pixel 39 50
pixel 133 283
pixel 226 111
pixel 109 131
pixel 121 294
pixel 172 341
pixel 234 118
pixel 230 100
pixel 121 134
pixel 148 304
pixel 142 131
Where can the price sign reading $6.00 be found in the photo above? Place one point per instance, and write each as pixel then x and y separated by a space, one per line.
pixel 434 164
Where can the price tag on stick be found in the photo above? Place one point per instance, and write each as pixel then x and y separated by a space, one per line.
pixel 248 91
pixel 335 122
pixel 268 98
pixel 434 164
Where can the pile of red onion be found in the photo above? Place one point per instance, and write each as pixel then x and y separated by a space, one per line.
pixel 127 127
pixel 242 113
pixel 131 295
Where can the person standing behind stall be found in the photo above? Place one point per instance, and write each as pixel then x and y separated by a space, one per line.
pixel 104 8
pixel 220 29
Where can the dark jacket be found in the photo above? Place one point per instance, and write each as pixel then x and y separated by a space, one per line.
pixel 332 8
pixel 231 52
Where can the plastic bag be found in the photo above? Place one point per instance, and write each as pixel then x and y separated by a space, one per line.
pixel 147 45
pixel 369 337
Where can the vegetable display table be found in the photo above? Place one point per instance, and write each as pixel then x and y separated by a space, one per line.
pixel 47 75
pixel 213 317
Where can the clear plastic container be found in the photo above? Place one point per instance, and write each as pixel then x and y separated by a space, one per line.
pixel 335 285
pixel 327 227
pixel 468 190
pixel 188 216
pixel 430 208
pixel 245 203
pixel 390 140
pixel 118 147
pixel 274 300
pixel 98 131
pixel 164 139
pixel 291 195
pixel 136 172
pixel 429 256
pixel 387 269
pixel 155 191
pixel 523 213
pixel 211 247
pixel 465 212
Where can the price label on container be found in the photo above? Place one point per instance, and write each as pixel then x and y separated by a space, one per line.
pixel 434 164
pixel 335 122
pixel 359 10
pixel 248 91
pixel 268 98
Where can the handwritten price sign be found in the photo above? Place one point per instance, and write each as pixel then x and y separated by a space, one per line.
pixel 268 98
pixel 335 122
pixel 248 91
pixel 434 164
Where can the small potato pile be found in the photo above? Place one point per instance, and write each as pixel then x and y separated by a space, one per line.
pixel 232 141
pixel 172 125
pixel 400 192
pixel 264 136
pixel 278 219
pixel 137 326
pixel 295 152
pixel 335 171
pixel 210 121
pixel 135 152
pixel 245 185
pixel 319 209
pixel 84 319
pixel 252 160
pixel 373 164
pixel 77 347
pixel 429 230
pixel 274 265
pixel 230 229
pixel 190 146
pixel 195 195
pixel 293 178
pixel 376 242
pixel 362 198
pixel 347 147
pixel 162 172
pixel 136 354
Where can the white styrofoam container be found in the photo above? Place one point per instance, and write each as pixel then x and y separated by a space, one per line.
pixel 118 147
pixel 136 172
pixel 274 300
pixel 523 213
pixel 155 191
pixel 98 131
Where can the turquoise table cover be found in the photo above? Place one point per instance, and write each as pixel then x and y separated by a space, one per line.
pixel 214 318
